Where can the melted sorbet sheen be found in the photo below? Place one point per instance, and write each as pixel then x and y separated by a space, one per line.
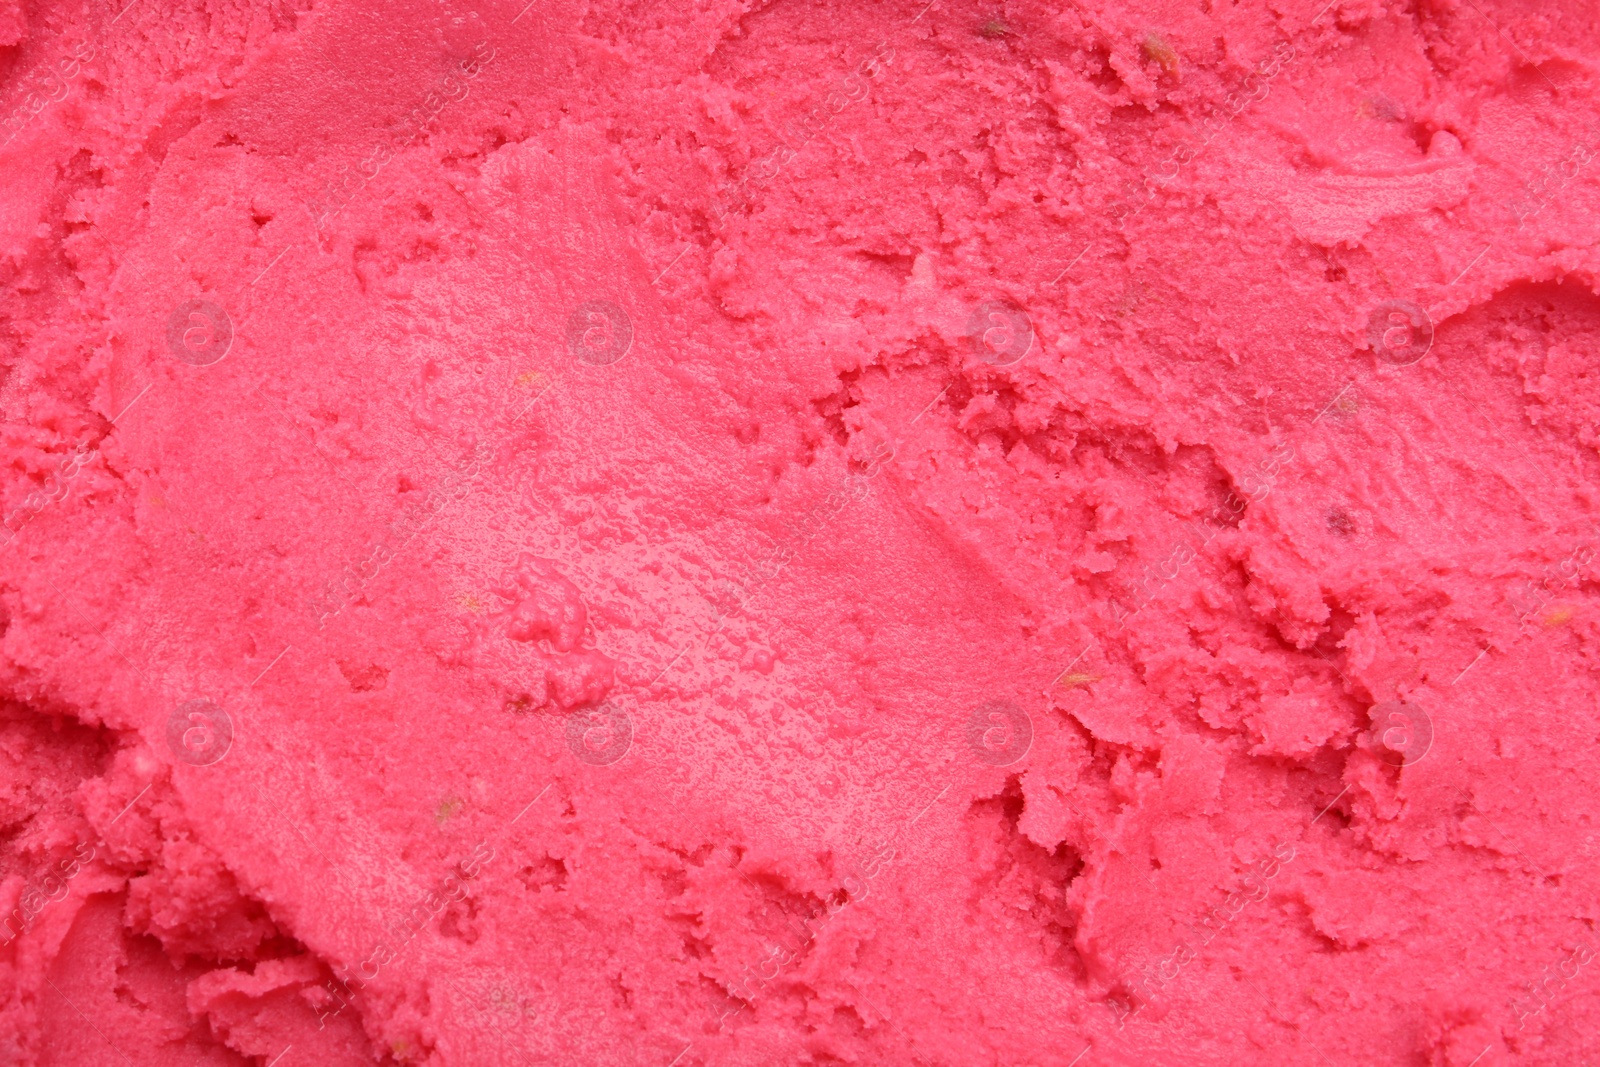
pixel 985 533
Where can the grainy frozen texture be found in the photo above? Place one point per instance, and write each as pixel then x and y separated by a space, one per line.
pixel 800 533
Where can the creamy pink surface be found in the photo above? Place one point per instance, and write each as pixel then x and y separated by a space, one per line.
pixel 799 534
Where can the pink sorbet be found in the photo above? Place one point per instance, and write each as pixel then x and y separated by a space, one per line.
pixel 970 533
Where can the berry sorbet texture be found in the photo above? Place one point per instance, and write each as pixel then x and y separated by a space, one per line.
pixel 790 532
